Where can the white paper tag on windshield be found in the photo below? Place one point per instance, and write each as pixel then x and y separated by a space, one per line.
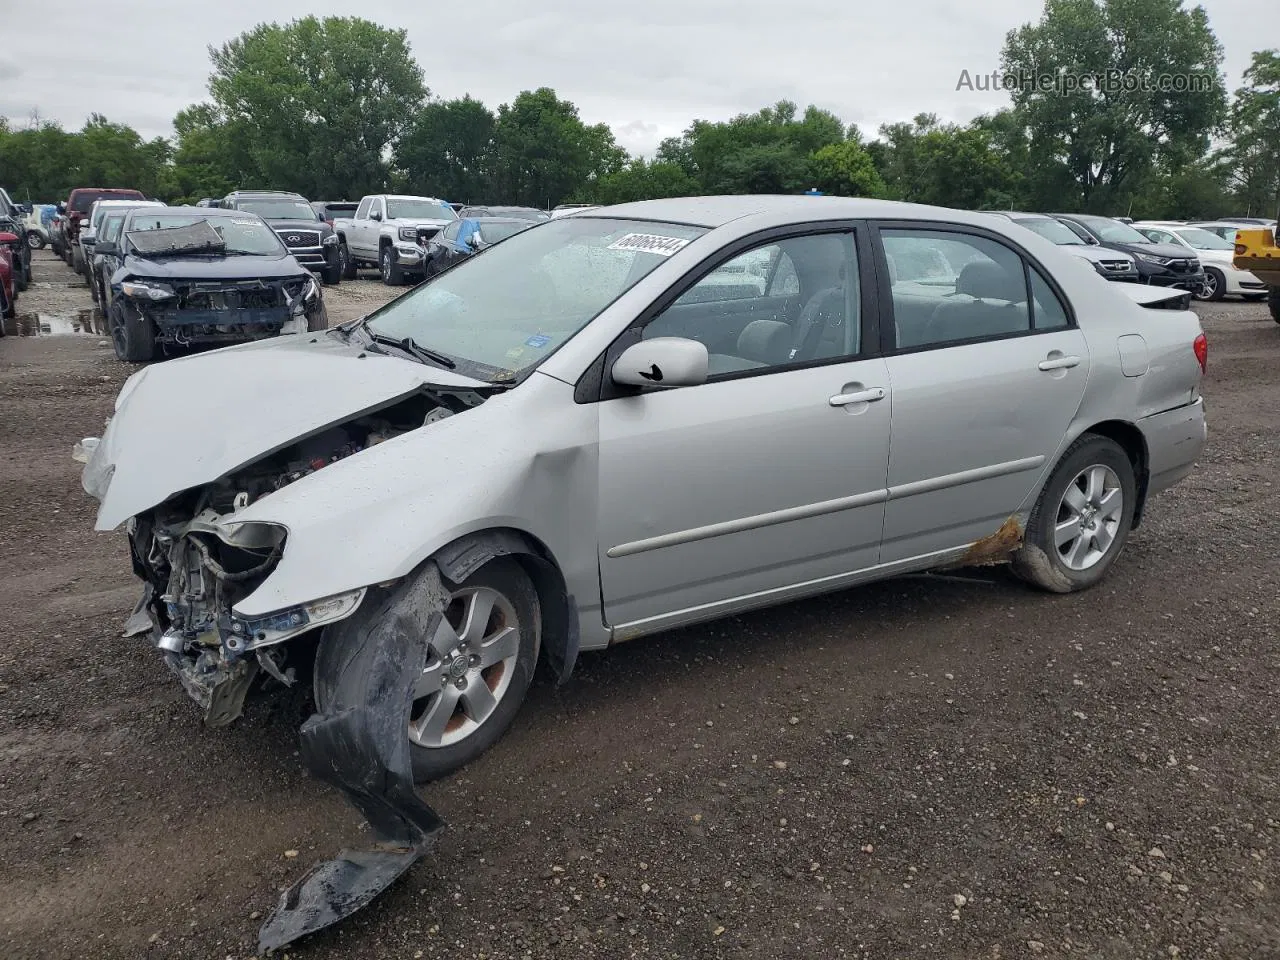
pixel 649 243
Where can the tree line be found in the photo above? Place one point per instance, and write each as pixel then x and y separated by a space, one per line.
pixel 335 108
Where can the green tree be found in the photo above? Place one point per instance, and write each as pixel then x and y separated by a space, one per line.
pixel 448 151
pixel 764 152
pixel 1108 134
pixel 946 165
pixel 321 102
pixel 544 153
pixel 641 180
pixel 847 170
pixel 1254 154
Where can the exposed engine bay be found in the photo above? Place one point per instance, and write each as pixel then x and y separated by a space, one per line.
pixel 195 569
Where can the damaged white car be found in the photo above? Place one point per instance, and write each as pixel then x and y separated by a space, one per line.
pixel 585 434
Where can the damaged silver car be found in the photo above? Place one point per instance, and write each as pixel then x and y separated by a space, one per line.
pixel 589 434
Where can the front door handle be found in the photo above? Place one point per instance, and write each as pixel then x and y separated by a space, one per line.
pixel 862 396
pixel 1059 363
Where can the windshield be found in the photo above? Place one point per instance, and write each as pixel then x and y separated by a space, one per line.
pixel 1053 230
pixel 1113 231
pixel 1203 239
pixel 409 208
pixel 280 208
pixel 242 235
pixel 502 313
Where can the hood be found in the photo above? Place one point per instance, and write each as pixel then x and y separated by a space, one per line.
pixel 1171 250
pixel 284 226
pixel 434 223
pixel 216 268
pixel 251 400
pixel 1095 254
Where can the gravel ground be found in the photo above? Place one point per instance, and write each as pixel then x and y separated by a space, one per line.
pixel 941 767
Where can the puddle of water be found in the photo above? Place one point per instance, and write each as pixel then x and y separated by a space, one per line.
pixel 81 323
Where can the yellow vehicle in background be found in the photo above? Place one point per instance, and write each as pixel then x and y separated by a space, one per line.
pixel 1256 251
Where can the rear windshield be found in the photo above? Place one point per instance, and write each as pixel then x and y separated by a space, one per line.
pixel 82 200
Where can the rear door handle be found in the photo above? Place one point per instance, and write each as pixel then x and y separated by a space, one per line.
pixel 1059 363
pixel 862 396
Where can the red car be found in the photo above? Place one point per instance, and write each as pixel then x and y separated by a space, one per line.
pixel 8 292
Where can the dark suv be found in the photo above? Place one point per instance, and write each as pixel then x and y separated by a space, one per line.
pixel 308 236
pixel 1159 264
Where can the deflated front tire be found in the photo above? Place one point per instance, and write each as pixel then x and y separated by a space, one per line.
pixel 479 665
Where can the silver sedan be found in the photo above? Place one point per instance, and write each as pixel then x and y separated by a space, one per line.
pixel 631 419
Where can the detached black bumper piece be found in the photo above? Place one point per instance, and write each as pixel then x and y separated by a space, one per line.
pixel 358 742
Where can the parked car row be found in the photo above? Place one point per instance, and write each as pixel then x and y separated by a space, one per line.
pixel 1190 256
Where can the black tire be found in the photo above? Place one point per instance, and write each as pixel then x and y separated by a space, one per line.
pixel 1215 285
pixel 318 320
pixel 350 269
pixel 332 274
pixel 20 276
pixel 132 334
pixel 93 290
pixel 34 240
pixel 389 267
pixel 1038 561
pixel 1273 303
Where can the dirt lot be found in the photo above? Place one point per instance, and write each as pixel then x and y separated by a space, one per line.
pixel 939 767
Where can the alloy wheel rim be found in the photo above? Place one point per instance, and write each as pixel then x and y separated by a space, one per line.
pixel 470 664
pixel 1210 287
pixel 386 266
pixel 1088 519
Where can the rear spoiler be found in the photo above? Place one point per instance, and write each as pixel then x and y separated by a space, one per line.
pixel 1157 298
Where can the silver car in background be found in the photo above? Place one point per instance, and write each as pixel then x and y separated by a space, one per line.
pixel 632 419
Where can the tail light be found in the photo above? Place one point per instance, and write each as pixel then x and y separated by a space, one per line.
pixel 1241 249
pixel 1201 347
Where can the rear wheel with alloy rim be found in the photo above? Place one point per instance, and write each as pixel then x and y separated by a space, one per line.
pixel 1082 520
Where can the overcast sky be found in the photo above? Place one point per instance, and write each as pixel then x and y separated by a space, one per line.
pixel 646 68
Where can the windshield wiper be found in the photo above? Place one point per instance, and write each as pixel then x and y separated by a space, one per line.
pixel 408 345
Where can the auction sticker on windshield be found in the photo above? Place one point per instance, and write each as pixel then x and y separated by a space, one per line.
pixel 649 243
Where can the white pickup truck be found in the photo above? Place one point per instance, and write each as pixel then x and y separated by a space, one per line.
pixel 391 232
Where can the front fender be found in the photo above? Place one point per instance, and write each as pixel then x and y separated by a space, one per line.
pixel 524 461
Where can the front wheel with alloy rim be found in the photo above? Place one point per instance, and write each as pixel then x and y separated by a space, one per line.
pixel 132 334
pixel 349 268
pixel 479 666
pixel 1214 287
pixel 1082 520
pixel 392 275
pixel 34 240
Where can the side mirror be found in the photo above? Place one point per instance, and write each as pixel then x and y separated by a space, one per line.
pixel 375 215
pixel 6 238
pixel 106 248
pixel 662 362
